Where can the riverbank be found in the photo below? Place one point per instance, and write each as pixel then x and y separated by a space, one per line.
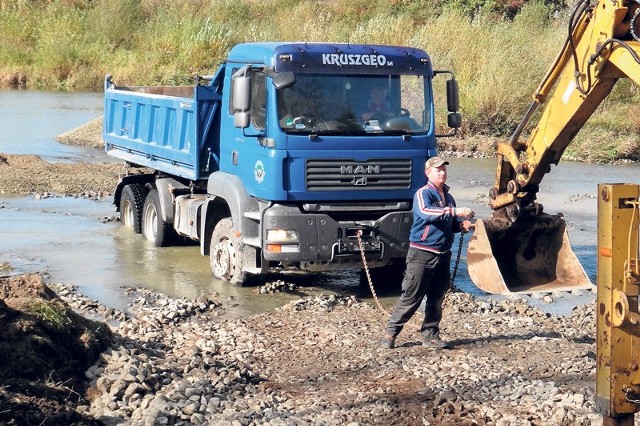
pixel 318 361
pixel 44 350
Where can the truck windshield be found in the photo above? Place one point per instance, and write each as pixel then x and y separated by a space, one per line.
pixel 352 104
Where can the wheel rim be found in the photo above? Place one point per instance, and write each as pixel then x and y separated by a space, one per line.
pixel 150 222
pixel 222 259
pixel 126 212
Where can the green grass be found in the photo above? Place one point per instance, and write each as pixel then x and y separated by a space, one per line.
pixel 72 44
pixel 53 313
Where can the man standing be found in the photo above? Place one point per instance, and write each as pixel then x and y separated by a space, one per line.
pixel 435 220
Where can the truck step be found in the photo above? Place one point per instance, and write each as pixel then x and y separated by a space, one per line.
pixel 253 216
pixel 254 242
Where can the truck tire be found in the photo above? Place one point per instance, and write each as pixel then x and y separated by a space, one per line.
pixel 225 254
pixel 131 205
pixel 155 229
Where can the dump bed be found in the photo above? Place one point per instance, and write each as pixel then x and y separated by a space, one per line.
pixel 168 129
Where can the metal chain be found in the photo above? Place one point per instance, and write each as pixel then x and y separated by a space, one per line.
pixel 452 287
pixel 627 394
pixel 366 270
pixel 634 20
pixel 373 291
pixel 455 267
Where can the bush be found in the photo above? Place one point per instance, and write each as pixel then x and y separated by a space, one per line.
pixel 110 23
pixel 487 43
pixel 503 9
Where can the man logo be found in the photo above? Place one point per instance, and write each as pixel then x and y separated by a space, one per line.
pixel 359 181
pixel 360 169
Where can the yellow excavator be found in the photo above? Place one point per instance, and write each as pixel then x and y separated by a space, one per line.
pixel 520 248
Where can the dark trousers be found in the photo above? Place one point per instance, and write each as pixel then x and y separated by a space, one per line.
pixel 427 275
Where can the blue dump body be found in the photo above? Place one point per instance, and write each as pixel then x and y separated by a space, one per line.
pixel 282 157
pixel 164 128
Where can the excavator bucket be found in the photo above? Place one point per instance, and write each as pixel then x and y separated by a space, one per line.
pixel 528 255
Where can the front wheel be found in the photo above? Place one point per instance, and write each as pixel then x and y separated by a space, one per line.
pixel 155 229
pixel 225 254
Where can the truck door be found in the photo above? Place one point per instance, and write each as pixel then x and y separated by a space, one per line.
pixel 249 154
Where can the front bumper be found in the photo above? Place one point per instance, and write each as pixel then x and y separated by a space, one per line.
pixel 326 240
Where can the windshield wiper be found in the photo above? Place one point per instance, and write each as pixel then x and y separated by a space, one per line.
pixel 396 132
pixel 346 132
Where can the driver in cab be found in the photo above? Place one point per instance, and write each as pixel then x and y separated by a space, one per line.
pixel 378 108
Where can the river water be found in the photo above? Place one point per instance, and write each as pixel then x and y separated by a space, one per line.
pixel 69 239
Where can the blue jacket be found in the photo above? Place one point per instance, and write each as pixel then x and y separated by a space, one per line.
pixel 434 220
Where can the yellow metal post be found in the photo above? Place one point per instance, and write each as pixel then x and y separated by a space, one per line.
pixel 618 322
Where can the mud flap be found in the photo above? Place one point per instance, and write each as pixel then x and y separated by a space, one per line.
pixel 529 255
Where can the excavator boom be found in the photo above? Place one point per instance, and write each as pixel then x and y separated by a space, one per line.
pixel 520 248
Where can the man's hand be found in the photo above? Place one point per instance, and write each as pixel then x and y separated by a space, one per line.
pixel 464 212
pixel 466 226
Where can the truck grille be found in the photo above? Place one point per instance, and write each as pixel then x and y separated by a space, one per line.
pixel 350 175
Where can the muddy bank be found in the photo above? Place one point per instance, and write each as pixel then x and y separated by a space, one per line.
pixel 28 174
pixel 13 79
pixel 44 350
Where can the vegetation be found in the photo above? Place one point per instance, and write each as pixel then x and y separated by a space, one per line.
pixel 52 313
pixel 72 44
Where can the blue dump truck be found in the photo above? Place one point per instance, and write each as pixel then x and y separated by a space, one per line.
pixel 291 156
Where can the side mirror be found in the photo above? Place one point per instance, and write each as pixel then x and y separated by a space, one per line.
pixel 241 97
pixel 453 96
pixel 454 120
pixel 241 93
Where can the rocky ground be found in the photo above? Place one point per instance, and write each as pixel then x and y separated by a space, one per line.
pixel 315 361
pixel 318 361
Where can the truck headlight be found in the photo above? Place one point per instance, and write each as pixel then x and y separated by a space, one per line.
pixel 282 236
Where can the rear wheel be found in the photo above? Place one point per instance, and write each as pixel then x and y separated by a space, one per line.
pixel 155 229
pixel 131 205
pixel 225 254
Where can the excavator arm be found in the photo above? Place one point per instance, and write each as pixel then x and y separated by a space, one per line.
pixel 517 248
pixel 599 51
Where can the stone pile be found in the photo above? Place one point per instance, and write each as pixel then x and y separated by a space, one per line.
pixel 278 286
pixel 318 361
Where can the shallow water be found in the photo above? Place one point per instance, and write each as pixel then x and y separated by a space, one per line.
pixel 30 120
pixel 66 236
